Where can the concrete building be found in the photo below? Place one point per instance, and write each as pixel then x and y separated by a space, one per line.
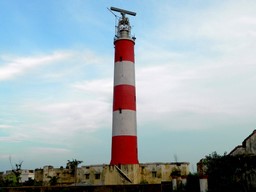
pixel 248 146
pixel 25 175
pixel 151 173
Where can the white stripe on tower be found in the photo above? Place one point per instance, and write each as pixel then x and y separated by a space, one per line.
pixel 124 73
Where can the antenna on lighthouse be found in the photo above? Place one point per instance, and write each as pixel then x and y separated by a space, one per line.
pixel 122 11
pixel 123 29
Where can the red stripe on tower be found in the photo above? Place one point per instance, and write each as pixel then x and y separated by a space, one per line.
pixel 123 50
pixel 124 150
pixel 124 97
pixel 124 126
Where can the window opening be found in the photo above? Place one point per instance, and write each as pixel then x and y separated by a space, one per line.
pixel 153 174
pixel 97 176
pixel 87 176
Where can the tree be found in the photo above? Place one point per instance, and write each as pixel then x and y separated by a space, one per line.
pixel 231 173
pixel 72 165
pixel 16 171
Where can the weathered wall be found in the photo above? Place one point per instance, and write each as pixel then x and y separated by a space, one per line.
pixel 248 146
pixel 26 175
pixel 151 173
pixel 158 172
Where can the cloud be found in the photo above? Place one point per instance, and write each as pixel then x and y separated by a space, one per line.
pixel 58 121
pixel 20 65
pixel 220 29
pixel 4 156
pixel 14 137
pixel 207 90
pixel 48 150
pixel 99 88
pixel 72 116
pixel 199 59
pixel 88 109
pixel 5 126
pixel 219 21
pixel 76 107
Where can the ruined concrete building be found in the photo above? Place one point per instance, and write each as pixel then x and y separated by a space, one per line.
pixel 151 173
pixel 248 146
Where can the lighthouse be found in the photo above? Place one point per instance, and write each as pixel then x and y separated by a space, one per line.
pixel 124 127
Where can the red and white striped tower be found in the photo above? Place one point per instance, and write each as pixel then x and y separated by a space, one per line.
pixel 124 128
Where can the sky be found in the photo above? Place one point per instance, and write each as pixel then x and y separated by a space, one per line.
pixel 195 79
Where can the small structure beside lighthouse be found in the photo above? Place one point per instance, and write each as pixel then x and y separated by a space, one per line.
pixel 124 126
